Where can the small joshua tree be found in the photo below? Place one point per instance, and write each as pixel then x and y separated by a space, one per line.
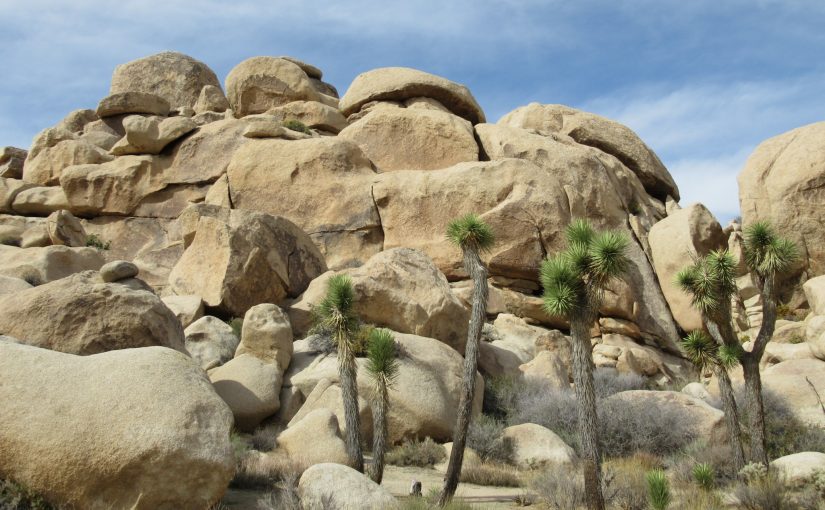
pixel 711 282
pixel 574 282
pixel 473 236
pixel 335 316
pixel 382 367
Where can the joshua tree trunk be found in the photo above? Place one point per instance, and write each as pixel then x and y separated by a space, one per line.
pixel 731 416
pixel 753 379
pixel 588 416
pixel 478 273
pixel 349 395
pixel 379 438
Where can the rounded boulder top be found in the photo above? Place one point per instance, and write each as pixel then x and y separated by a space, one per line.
pixel 260 83
pixel 402 83
pixel 175 77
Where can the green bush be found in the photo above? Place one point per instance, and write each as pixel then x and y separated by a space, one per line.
pixel 14 496
pixel 94 241
pixel 413 452
pixel 297 125
pixel 658 489
pixel 704 476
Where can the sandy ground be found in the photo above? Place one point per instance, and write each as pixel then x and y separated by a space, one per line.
pixel 397 480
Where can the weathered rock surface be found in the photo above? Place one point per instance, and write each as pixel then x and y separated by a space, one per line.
pixel 789 380
pixel 80 314
pixel 40 201
pixel 187 309
pixel 9 189
pixel 260 83
pixel 413 139
pixel 238 259
pixel 401 83
pixel 604 134
pixel 66 230
pixel 49 263
pixel 346 487
pixel 48 164
pixel 11 162
pixel 323 185
pixel 250 387
pixel 799 467
pixel 400 289
pixel 549 367
pixel 267 335
pixel 210 341
pixel 173 76
pixel 315 439
pixel 471 459
pixel 815 293
pixel 139 428
pixel 149 135
pixel 782 182
pixel 121 103
pixel 10 285
pixel 205 154
pixel 534 445
pixel 211 99
pixel 689 232
pixel 118 270
pixel 312 114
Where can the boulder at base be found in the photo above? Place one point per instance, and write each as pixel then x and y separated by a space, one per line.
pixel 342 487
pixel 137 428
pixel 534 445
pixel 82 315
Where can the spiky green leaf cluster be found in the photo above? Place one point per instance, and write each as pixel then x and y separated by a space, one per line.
pixel 766 252
pixel 704 475
pixel 710 281
pixel 574 279
pixel 470 232
pixel 382 360
pixel 703 352
pixel 658 489
pixel 335 313
pixel 730 355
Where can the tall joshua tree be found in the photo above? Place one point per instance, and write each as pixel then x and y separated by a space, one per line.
pixel 573 282
pixel 473 236
pixel 382 367
pixel 335 315
pixel 711 283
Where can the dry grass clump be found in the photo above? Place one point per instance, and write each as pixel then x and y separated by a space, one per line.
pixel 491 474
pixel 256 470
pixel 413 452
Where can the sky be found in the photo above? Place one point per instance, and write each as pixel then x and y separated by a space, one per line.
pixel 703 82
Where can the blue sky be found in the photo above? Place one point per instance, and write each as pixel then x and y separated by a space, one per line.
pixel 701 81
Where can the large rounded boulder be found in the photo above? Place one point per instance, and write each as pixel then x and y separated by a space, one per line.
pixel 343 488
pixel 137 428
pixel 175 77
pixel 260 83
pixel 83 315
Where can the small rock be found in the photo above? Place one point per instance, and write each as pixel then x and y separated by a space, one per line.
pixel 210 341
pixel 64 229
pixel 118 270
pixel 187 309
pixel 348 489
pixel 132 102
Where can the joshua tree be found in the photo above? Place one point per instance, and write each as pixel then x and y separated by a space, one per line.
pixel 711 282
pixel 382 366
pixel 473 236
pixel 335 315
pixel 573 282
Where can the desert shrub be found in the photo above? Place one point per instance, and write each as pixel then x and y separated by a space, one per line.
pixel 633 207
pixel 785 433
pixel 263 438
pixel 537 402
pixel 559 489
pixel 658 489
pixel 236 323
pixel 608 381
pixel 485 437
pixel 256 470
pixel 413 452
pixel 762 490
pixel 14 496
pixel 94 241
pixel 704 476
pixel 322 341
pixel 625 484
pixel 10 241
pixel 628 427
pixel 297 125
pixel 491 474
pixel 718 456
pixel 695 498
pixel 284 497
pixel 240 446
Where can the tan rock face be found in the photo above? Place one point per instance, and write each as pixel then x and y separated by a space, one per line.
pixel 204 155
pixel 128 102
pixel 187 309
pixel 40 200
pixel 9 189
pixel 173 76
pixel 782 182
pixel 267 334
pixel 604 134
pixel 673 241
pixel 312 113
pixel 352 490
pixel 64 229
pixel 315 439
pixel 401 83
pixel 46 167
pixel 260 83
pixel 323 185
pixel 10 285
pixel 211 99
pixel 534 445
pixel 789 380
pixel 49 263
pixel 11 162
pixel 238 259
pixel 147 430
pixel 548 367
pixel 87 316
pixel 327 395
pixel 799 467
pixel 815 293
pixel 250 387
pixel 210 341
pixel 149 135
pixel 413 139
pixel 400 289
